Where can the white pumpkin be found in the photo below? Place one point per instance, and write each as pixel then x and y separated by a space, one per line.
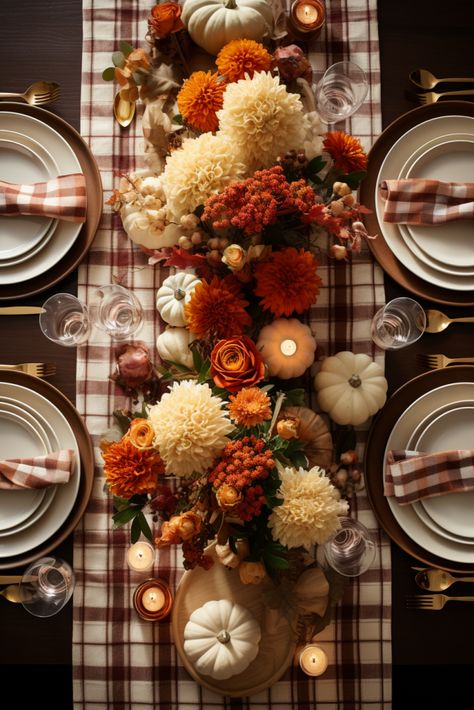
pixel 173 344
pixel 351 388
pixel 174 293
pixel 287 347
pixel 214 23
pixel 221 638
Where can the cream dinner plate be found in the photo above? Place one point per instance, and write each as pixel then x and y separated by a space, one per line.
pixel 399 438
pixel 63 501
pixel 390 168
pixel 66 232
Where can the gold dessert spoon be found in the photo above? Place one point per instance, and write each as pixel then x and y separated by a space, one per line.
pixel 12 593
pixel 437 580
pixel 426 80
pixel 124 111
pixel 438 321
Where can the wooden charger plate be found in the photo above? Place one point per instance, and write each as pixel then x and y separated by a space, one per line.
pixel 375 452
pixel 86 452
pixel 72 259
pixel 368 189
pixel 277 646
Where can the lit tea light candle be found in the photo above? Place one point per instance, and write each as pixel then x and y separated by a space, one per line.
pixel 307 16
pixel 141 556
pixel 313 660
pixel 153 600
pixel 288 347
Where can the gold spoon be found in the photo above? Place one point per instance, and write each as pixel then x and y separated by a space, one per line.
pixel 426 80
pixel 437 321
pixel 12 593
pixel 124 111
pixel 437 580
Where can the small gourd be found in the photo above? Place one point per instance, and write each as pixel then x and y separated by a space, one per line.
pixel 172 296
pixel 287 347
pixel 351 387
pixel 173 345
pixel 221 638
pixel 214 23
pixel 314 433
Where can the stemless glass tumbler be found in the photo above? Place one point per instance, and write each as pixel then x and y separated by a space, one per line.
pixel 351 550
pixel 341 91
pixel 116 311
pixel 66 320
pixel 46 586
pixel 399 323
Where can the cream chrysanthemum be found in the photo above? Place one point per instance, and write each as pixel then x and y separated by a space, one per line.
pixel 190 427
pixel 310 510
pixel 261 119
pixel 202 167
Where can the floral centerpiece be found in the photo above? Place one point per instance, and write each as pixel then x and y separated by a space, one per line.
pixel 242 191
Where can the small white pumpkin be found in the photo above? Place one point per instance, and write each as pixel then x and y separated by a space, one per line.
pixel 221 638
pixel 173 344
pixel 172 296
pixel 351 388
pixel 214 23
pixel 287 347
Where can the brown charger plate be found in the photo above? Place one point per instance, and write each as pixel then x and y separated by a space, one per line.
pixel 368 188
pixel 86 452
pixel 74 256
pixel 375 451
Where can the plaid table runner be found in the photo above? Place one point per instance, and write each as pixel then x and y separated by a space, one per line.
pixel 119 660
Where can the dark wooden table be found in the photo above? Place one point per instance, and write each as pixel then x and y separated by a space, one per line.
pixel 42 39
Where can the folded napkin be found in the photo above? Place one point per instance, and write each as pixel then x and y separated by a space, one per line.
pixel 63 197
pixel 412 475
pixel 37 472
pixel 427 202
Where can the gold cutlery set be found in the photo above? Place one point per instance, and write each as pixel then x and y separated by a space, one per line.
pixel 424 79
pixel 435 580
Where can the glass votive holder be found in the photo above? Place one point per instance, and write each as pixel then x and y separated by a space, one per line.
pixel 116 311
pixel 66 320
pixel 152 600
pixel 313 660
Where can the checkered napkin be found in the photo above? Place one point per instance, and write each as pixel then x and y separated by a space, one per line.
pixel 36 472
pixel 63 197
pixel 411 475
pixel 427 202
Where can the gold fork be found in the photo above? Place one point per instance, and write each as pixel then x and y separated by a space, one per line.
pixel 433 362
pixel 431 97
pixel 433 601
pixel 39 369
pixel 39 93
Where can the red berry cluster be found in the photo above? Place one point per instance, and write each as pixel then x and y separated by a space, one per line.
pixel 251 505
pixel 242 462
pixel 194 555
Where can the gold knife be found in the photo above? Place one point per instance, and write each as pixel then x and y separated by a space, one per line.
pixel 15 578
pixel 20 310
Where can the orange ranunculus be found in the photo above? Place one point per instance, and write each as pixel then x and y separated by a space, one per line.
pixel 179 528
pixel 165 19
pixel 141 433
pixel 228 497
pixel 236 363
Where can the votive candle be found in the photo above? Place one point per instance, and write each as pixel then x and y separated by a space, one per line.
pixel 313 660
pixel 307 16
pixel 141 556
pixel 153 600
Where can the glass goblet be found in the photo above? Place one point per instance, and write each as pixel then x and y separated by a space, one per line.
pixel 116 311
pixel 350 550
pixel 46 586
pixel 66 320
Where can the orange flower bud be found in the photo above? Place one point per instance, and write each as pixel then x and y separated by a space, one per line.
pixel 288 428
pixel 227 496
pixel 252 572
pixel 141 434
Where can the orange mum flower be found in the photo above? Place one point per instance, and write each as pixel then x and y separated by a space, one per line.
pixel 249 407
pixel 200 97
pixel 130 471
pixel 242 56
pixel 346 151
pixel 287 282
pixel 216 309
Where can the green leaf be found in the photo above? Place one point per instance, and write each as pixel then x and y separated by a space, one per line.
pixel 135 531
pixel 353 179
pixel 178 119
pixel 315 166
pixel 123 420
pixel 124 516
pixel 344 439
pixel 275 561
pixel 197 359
pixel 108 74
pixel 179 366
pixel 118 59
pixel 125 48
pixel 144 527
pixel 294 398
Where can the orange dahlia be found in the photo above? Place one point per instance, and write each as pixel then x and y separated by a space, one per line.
pixel 288 281
pixel 346 151
pixel 217 310
pixel 242 56
pixel 199 98
pixel 130 471
pixel 249 407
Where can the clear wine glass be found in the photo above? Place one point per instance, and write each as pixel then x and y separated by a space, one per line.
pixel 117 311
pixel 350 550
pixel 46 586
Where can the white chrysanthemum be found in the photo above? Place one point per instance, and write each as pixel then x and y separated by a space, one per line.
pixel 202 167
pixel 310 510
pixel 261 119
pixel 190 427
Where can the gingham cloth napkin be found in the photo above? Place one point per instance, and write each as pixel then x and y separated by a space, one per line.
pixel 37 471
pixel 426 202
pixel 63 197
pixel 413 475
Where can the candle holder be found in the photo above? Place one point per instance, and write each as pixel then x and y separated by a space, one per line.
pixel 307 18
pixel 313 660
pixel 141 556
pixel 153 600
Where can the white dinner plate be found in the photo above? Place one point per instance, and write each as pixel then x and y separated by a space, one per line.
pixel 66 493
pixel 399 437
pixel 66 232
pixel 390 168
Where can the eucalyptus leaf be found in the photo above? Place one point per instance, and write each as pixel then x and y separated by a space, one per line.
pixel 118 59
pixel 126 48
pixel 108 74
